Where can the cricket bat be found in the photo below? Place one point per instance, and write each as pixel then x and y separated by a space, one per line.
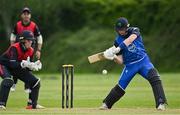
pixel 96 57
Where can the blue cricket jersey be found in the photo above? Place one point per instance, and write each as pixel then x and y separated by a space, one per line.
pixel 135 52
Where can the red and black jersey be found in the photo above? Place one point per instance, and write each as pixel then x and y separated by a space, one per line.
pixel 21 55
pixel 15 54
pixel 20 27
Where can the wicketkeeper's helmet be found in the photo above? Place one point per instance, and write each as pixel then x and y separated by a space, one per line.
pixel 27 35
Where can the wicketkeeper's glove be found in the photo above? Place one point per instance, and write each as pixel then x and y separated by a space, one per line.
pixel 26 63
pixel 34 66
pixel 38 64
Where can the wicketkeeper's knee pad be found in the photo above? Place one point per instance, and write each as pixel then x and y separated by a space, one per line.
pixel 114 95
pixel 33 96
pixel 37 84
pixel 7 82
pixel 154 80
pixel 34 84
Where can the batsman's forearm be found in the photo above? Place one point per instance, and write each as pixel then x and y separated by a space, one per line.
pixel 130 39
pixel 127 42
pixel 118 59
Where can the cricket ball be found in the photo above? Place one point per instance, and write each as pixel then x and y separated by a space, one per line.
pixel 104 72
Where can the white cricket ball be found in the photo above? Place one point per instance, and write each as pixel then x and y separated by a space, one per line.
pixel 104 72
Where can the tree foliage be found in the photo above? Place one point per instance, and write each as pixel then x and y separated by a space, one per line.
pixel 74 29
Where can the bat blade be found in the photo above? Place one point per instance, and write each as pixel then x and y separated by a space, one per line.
pixel 96 57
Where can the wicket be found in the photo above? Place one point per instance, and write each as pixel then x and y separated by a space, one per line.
pixel 67 70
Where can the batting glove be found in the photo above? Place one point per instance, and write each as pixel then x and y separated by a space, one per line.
pixel 108 54
pixel 114 49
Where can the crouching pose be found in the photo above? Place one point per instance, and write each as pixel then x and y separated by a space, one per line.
pixel 16 62
pixel 129 45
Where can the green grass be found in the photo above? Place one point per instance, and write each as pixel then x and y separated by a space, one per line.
pixel 90 90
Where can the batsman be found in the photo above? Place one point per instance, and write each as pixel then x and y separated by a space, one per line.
pixel 129 48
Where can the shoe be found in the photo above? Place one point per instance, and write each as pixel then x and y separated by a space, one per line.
pixel 103 107
pixel 29 107
pixel 2 107
pixel 13 88
pixel 161 107
pixel 27 90
pixel 37 107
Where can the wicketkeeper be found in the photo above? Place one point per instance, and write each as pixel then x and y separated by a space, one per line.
pixel 129 49
pixel 26 24
pixel 16 61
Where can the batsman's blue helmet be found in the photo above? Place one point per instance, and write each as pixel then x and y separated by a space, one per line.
pixel 121 24
pixel 27 35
